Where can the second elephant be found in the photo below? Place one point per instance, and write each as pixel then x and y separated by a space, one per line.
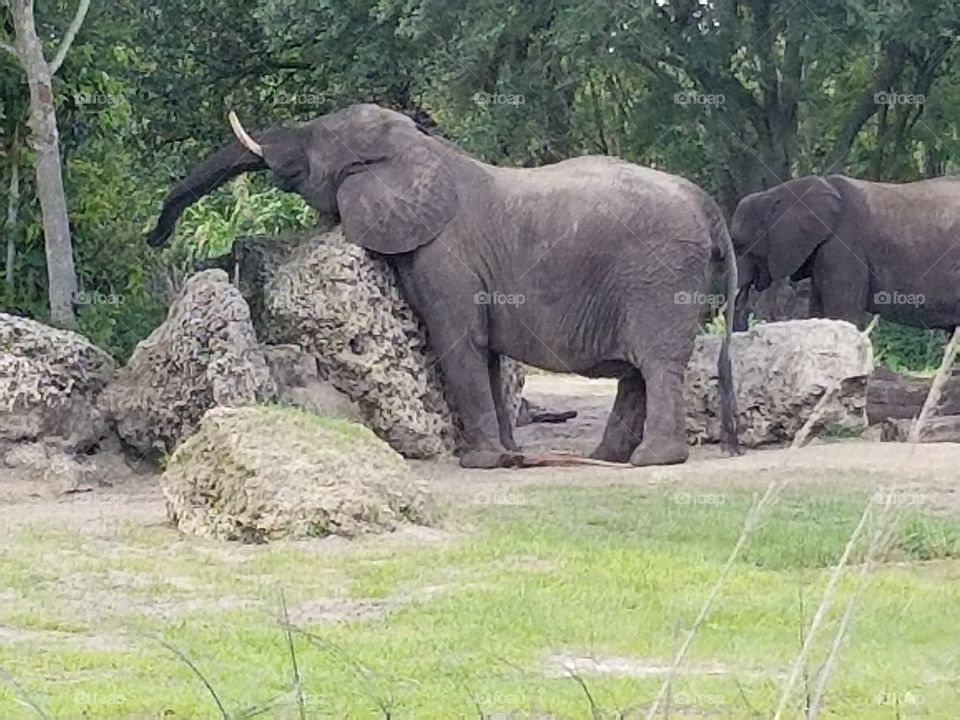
pixel 868 247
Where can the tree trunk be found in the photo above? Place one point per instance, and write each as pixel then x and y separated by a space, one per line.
pixel 45 140
pixel 13 210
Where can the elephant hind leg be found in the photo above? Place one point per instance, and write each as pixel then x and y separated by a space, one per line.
pixel 624 429
pixel 664 437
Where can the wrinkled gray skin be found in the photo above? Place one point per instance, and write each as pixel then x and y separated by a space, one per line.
pixel 893 250
pixel 573 267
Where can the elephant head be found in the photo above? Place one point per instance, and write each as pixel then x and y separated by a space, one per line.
pixel 387 180
pixel 776 232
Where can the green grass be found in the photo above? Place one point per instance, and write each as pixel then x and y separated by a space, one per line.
pixel 612 571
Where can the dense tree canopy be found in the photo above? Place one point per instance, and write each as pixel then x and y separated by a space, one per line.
pixel 735 94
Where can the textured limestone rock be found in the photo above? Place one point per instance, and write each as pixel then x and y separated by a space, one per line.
pixel 263 473
pixel 345 308
pixel 204 355
pixel 50 471
pixel 781 371
pixel 299 384
pixel 49 380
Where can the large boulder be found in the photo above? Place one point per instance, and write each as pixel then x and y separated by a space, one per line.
pixel 781 371
pixel 345 308
pixel 262 473
pixel 204 355
pixel 49 382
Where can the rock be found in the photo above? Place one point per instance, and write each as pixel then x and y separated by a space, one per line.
pixel 781 371
pixel 52 471
pixel 345 308
pixel 299 384
pixel 204 355
pixel 937 429
pixel 49 381
pixel 263 473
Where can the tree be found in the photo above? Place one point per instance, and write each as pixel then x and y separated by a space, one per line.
pixel 45 141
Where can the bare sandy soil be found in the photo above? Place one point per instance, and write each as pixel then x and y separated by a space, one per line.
pixel 925 474
pixel 929 474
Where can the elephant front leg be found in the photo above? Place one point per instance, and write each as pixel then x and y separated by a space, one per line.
pixel 466 372
pixel 664 440
pixel 448 301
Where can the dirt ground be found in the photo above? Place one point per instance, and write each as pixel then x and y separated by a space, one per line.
pixel 927 475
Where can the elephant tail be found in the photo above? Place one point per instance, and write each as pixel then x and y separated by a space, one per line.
pixel 728 398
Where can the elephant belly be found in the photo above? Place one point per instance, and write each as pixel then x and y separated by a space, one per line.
pixel 918 309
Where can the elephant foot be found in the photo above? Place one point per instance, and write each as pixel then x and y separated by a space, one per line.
pixel 668 453
pixel 490 459
pixel 609 454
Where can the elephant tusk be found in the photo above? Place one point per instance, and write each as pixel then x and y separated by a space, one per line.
pixel 243 136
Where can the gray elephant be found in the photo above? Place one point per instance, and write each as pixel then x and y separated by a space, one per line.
pixel 867 247
pixel 592 266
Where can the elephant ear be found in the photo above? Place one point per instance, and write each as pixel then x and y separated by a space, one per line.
pixel 804 216
pixel 399 199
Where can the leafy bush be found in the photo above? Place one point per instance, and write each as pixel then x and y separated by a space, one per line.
pixel 209 227
pixel 907 349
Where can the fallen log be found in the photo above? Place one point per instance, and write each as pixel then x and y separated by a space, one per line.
pixel 892 396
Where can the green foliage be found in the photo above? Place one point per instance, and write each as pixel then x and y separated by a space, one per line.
pixel 907 349
pixel 145 90
pixel 209 227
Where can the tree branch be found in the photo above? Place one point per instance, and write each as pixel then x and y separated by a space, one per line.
pixel 69 37
pixel 890 69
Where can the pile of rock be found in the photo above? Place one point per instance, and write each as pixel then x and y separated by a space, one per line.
pixel 781 371
pixel 316 323
pixel 205 355
pixel 345 308
pixel 49 383
pixel 255 474
pixel 49 420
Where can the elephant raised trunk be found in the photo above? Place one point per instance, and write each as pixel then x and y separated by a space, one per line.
pixel 222 166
